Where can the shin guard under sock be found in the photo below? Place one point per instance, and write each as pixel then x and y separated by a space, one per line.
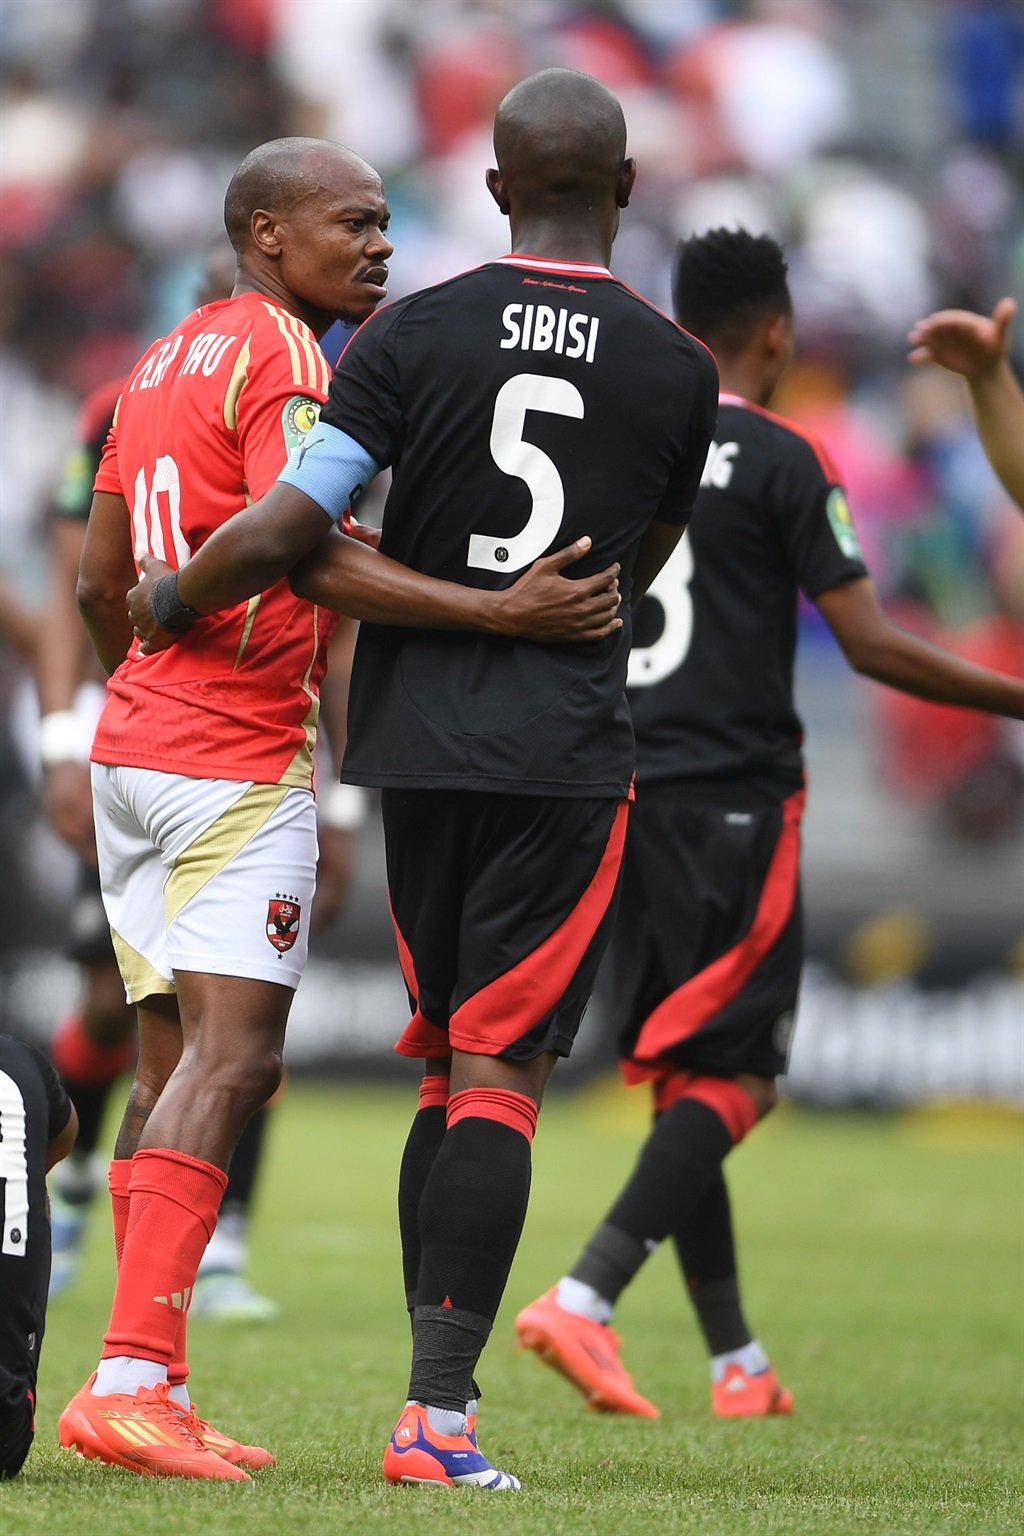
pixel 421 1147
pixel 471 1215
pixel 174 1201
pixel 682 1154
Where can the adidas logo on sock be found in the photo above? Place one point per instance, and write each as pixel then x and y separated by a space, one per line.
pixel 179 1300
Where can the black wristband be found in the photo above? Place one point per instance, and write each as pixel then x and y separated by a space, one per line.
pixel 167 607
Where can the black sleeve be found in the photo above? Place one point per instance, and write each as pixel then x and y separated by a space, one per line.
pixel 57 1102
pixel 813 518
pixel 363 399
pixel 74 491
pixel 681 491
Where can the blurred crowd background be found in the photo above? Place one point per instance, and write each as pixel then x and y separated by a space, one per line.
pixel 882 143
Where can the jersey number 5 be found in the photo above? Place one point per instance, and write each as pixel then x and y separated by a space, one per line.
pixel 670 589
pixel 13 1168
pixel 156 514
pixel 526 462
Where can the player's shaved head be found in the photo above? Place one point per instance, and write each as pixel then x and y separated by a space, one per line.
pixel 559 135
pixel 281 174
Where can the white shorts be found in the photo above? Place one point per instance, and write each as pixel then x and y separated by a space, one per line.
pixel 203 875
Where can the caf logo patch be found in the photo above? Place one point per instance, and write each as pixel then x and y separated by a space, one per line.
pixel 283 918
pixel 300 415
pixel 841 523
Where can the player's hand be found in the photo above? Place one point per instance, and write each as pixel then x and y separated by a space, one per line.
pixel 546 606
pixel 361 531
pixel 966 343
pixel 67 800
pixel 147 630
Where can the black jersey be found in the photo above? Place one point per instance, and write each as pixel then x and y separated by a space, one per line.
pixel 520 406
pixel 711 673
pixel 33 1110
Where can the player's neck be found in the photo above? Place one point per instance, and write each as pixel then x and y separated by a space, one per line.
pixel 317 319
pixel 749 382
pixel 554 240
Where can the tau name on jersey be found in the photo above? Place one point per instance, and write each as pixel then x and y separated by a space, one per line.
pixel 539 328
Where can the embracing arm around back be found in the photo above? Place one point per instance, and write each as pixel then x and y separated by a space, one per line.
pixel 877 648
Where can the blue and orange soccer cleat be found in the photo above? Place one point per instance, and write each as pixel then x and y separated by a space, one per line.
pixel 418 1454
pixel 585 1352
pixel 145 1432
pixel 749 1394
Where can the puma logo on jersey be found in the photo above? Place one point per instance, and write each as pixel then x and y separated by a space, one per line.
pixel 539 328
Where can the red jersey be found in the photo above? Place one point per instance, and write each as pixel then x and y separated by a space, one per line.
pixel 204 426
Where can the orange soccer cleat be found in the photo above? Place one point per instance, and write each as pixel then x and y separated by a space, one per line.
pixel 252 1457
pixel 584 1351
pixel 147 1433
pixel 749 1395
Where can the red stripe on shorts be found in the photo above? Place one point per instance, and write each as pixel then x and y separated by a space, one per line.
pixel 690 1006
pixel 511 1005
pixel 420 1038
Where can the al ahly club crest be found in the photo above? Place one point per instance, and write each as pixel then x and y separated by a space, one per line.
pixel 283 917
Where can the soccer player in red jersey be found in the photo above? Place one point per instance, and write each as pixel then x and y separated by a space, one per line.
pixel 708 947
pixel 202 760
pixel 533 399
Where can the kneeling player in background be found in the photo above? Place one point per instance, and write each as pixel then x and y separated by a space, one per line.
pixel 38 1125
pixel 709 943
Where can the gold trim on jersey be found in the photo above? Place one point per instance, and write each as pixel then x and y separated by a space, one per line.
pixel 309 366
pixel 236 384
pixel 214 849
pixel 300 769
pixel 141 978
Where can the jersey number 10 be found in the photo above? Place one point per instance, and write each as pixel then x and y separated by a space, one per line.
pixel 156 514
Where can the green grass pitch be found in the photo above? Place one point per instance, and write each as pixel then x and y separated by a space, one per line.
pixel 882 1259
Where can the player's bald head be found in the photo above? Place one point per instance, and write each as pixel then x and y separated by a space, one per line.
pixel 560 134
pixel 283 173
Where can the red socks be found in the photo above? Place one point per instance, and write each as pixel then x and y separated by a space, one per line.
pixel 173 1200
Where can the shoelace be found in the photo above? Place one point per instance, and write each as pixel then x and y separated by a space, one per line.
pixel 169 1412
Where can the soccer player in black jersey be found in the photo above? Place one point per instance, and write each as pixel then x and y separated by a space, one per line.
pixel 521 405
pixel 38 1125
pixel 709 943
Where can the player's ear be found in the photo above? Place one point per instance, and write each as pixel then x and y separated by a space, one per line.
pixel 624 182
pixel 265 231
pixel 496 187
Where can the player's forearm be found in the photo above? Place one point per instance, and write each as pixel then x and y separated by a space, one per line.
pixel 914 666
pixel 62 648
pixel 999 408
pixel 109 628
pixel 350 577
pixel 252 551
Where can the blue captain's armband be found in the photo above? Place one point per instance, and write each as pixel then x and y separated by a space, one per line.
pixel 330 467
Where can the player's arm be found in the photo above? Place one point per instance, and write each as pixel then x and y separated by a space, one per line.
pixel 61 659
pixel 18 624
pixel 340 808
pixel 977 346
pixel 664 533
pixel 655 548
pixel 61 1144
pixel 106 572
pixel 879 649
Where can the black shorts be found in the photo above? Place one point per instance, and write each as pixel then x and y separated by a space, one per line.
pixel 89 939
pixel 708 948
pixel 503 906
pixel 23 1287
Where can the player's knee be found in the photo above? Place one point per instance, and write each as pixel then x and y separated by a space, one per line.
pixel 252 1081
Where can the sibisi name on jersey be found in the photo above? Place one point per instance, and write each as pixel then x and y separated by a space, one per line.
pixel 539 328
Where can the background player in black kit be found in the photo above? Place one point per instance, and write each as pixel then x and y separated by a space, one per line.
pixel 521 405
pixel 709 943
pixel 38 1125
